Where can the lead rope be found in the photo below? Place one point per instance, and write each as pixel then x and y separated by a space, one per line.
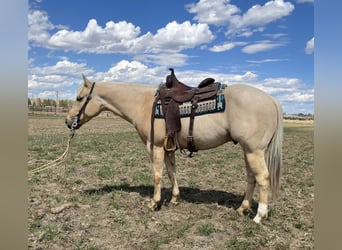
pixel 59 160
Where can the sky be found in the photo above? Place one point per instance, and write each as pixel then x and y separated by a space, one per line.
pixel 267 44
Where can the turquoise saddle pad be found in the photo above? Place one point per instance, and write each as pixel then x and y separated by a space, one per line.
pixel 210 106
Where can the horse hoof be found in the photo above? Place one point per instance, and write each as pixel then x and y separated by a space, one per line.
pixel 154 206
pixel 257 219
pixel 240 211
pixel 174 201
pixel 261 214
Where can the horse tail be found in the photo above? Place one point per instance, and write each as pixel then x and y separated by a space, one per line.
pixel 273 155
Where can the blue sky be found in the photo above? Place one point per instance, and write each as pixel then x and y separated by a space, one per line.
pixel 267 44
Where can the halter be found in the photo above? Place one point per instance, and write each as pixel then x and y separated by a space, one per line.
pixel 77 117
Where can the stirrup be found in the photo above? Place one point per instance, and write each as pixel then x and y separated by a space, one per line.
pixel 167 146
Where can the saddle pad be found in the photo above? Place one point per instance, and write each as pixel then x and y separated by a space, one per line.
pixel 215 105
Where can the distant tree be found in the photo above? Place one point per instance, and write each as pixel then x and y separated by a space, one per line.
pixel 70 103
pixel 38 102
pixel 29 101
pixel 63 103
pixel 45 102
pixel 52 102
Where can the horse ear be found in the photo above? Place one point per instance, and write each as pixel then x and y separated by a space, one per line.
pixel 87 83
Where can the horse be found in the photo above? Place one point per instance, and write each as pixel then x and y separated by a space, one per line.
pixel 252 118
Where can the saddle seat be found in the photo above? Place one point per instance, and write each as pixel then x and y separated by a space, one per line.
pixel 180 92
pixel 172 94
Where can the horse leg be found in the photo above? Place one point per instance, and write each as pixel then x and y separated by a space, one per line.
pixel 157 168
pixel 170 163
pixel 257 165
pixel 247 201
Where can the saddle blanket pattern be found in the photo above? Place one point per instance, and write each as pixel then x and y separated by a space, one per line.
pixel 215 105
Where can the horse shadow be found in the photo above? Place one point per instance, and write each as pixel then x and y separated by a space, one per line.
pixel 187 194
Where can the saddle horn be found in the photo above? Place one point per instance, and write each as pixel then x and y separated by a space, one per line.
pixel 172 71
pixel 170 78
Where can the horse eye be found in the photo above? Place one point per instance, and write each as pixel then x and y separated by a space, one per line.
pixel 79 98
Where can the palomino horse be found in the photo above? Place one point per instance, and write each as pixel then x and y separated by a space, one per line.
pixel 251 118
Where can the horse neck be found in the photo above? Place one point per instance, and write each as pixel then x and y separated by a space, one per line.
pixel 131 102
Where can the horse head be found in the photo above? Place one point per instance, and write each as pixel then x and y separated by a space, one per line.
pixel 86 106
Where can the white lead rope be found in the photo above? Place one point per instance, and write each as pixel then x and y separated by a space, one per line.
pixel 59 160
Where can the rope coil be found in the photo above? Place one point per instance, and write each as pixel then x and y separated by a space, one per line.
pixel 56 162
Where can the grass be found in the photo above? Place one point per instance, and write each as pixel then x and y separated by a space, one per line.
pixel 108 179
pixel 206 229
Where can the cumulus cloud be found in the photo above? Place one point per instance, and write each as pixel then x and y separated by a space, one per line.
pixel 63 74
pixel 259 15
pixel 162 48
pixel 64 67
pixel 39 26
pixel 116 37
pixel 309 49
pixel 217 12
pixel 223 13
pixel 176 37
pixel 291 92
pixel 124 71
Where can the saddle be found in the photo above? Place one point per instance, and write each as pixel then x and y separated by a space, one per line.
pixel 173 93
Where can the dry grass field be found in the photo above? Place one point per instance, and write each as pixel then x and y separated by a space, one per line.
pixel 97 198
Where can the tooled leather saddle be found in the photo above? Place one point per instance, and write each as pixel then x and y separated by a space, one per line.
pixel 173 93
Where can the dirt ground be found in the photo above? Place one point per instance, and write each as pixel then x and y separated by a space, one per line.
pixel 97 198
pixel 298 122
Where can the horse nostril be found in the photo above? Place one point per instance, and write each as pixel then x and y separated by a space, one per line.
pixel 67 123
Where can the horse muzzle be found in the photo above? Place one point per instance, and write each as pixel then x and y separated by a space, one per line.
pixel 73 123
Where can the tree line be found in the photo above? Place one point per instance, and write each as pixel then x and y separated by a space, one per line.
pixel 49 102
pixel 49 105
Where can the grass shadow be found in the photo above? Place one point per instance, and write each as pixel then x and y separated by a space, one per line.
pixel 188 194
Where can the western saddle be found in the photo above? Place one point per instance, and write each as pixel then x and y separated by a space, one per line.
pixel 173 93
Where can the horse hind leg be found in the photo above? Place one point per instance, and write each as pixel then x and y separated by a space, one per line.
pixel 247 201
pixel 257 165
pixel 170 164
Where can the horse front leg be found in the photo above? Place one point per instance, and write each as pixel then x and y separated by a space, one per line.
pixel 170 163
pixel 157 168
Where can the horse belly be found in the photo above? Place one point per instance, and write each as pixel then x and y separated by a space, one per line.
pixel 209 131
